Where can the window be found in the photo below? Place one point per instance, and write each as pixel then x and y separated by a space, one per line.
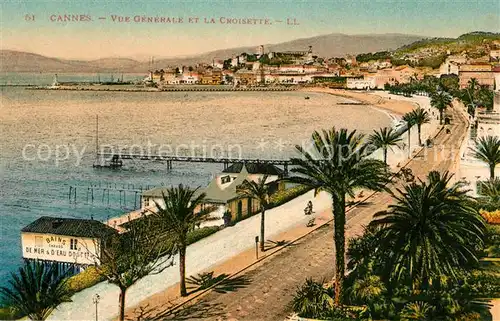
pixel 38 241
pixel 225 179
pixel 73 244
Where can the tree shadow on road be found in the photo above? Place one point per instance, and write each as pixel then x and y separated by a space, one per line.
pixel 270 244
pixel 221 283
pixel 358 203
pixel 202 310
pixel 197 310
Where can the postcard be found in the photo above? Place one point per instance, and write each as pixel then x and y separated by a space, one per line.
pixel 250 160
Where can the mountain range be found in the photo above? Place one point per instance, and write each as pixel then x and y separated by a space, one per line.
pixel 330 45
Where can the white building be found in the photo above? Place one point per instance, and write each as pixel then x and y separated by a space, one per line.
pixel 235 62
pixel 495 54
pixel 304 69
pixel 187 78
pixel 452 65
pixel 149 197
pixel 448 68
pixel 242 59
pixel 382 64
pixel 496 99
pixel 218 64
pixel 222 192
pixel 65 240
pixel 291 69
pixel 288 78
pixel 361 83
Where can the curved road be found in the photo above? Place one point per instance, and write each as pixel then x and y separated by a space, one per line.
pixel 272 285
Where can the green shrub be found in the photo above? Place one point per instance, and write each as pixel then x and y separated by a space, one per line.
pixel 7 313
pixel 342 313
pixel 417 311
pixel 283 196
pixel 487 204
pixel 278 198
pixel 312 299
pixel 492 235
pixel 200 233
pixel 373 56
pixel 85 279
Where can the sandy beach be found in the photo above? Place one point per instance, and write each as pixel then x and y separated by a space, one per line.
pixel 398 106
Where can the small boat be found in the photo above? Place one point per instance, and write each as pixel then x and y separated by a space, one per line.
pixel 306 97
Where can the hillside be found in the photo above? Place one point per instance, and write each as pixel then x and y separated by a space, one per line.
pixel 325 45
pixel 114 64
pixel 17 61
pixel 331 45
pixel 454 45
pixel 475 44
pixel 432 52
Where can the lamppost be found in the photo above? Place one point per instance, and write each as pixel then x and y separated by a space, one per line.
pixel 95 300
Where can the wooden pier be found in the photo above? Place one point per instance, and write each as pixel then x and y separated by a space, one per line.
pixel 114 160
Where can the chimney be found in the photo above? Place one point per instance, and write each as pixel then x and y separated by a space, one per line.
pixel 56 223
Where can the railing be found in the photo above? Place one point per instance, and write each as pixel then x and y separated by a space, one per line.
pixel 193 159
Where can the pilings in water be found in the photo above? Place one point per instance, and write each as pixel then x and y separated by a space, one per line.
pixel 126 196
pixel 72 195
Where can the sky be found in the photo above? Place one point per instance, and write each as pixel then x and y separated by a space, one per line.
pixel 33 25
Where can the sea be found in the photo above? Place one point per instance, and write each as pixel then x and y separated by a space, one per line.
pixel 49 140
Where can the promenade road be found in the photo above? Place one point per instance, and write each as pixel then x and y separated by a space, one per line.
pixel 272 284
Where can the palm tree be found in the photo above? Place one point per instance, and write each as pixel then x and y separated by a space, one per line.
pixel 441 100
pixel 37 289
pixel 384 138
pixel 178 217
pixel 311 299
pixel 431 231
pixel 488 151
pixel 420 117
pixel 410 121
pixel 368 288
pixel 258 191
pixel 472 85
pixel 337 163
pixel 491 189
pixel 418 310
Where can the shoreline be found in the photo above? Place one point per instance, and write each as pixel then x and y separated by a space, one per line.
pixel 397 107
pixel 168 89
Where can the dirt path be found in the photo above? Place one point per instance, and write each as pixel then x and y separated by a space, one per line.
pixel 269 288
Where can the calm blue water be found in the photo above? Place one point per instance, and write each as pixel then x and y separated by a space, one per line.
pixel 39 122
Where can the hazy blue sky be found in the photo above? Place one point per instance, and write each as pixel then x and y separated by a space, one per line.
pixel 104 38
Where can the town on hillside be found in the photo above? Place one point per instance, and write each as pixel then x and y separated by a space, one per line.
pixel 464 57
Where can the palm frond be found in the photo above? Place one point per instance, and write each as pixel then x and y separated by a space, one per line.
pixel 431 230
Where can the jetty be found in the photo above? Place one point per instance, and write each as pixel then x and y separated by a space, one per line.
pixel 115 160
